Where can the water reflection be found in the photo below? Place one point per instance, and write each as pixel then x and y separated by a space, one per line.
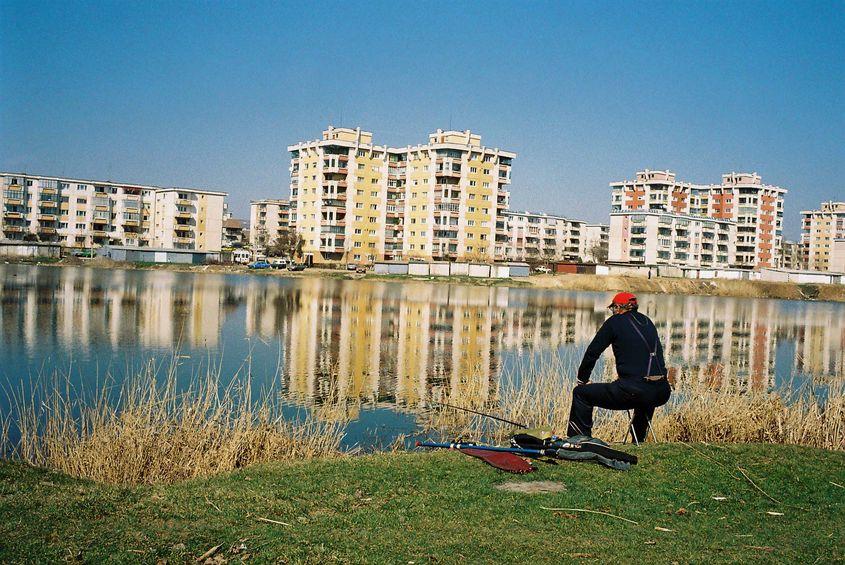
pixel 390 342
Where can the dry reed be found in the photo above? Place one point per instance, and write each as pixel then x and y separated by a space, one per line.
pixel 148 430
pixel 538 393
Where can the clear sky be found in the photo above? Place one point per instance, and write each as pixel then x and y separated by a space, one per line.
pixel 209 94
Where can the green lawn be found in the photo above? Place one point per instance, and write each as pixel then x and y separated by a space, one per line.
pixel 444 507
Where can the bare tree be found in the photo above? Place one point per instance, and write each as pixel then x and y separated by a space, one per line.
pixel 287 244
pixel 598 252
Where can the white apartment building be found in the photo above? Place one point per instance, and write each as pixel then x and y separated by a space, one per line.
pixel 664 238
pixel 355 201
pixel 268 219
pixel 541 237
pixel 756 208
pixel 819 229
pixel 86 213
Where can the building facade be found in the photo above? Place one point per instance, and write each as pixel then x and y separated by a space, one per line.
pixel 665 238
pixel 85 214
pixel 596 243
pixel 742 198
pixel 268 220
pixel 819 229
pixel 542 237
pixel 355 201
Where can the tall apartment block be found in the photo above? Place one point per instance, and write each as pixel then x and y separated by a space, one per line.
pixel 85 214
pixel 532 236
pixel 268 219
pixel 819 231
pixel 742 198
pixel 354 201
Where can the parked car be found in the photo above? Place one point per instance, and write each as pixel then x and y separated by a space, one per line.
pixel 259 265
pixel 296 267
pixel 542 269
pixel 351 267
pixel 279 263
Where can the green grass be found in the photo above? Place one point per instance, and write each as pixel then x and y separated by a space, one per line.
pixel 444 507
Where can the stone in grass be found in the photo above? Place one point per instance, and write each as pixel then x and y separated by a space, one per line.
pixel 532 487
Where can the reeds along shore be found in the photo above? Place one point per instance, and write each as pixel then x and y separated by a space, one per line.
pixel 148 430
pixel 539 394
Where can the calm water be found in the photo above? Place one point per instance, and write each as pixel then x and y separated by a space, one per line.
pixel 376 349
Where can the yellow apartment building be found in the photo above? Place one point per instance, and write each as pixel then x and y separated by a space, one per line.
pixel 355 201
pixel 819 231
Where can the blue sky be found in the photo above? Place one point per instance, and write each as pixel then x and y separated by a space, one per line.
pixel 210 94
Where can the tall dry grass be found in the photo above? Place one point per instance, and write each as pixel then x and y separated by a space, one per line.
pixel 149 430
pixel 538 393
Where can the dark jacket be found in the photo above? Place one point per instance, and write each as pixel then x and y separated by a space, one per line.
pixel 631 351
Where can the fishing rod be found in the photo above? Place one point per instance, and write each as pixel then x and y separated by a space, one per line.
pixel 517 424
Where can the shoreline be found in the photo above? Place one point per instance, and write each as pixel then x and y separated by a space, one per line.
pixel 569 282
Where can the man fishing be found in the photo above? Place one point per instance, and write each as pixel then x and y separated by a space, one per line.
pixel 642 384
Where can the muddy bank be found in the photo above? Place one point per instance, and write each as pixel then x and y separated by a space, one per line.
pixel 609 283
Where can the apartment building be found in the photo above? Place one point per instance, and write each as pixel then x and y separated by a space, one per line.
pixel 596 242
pixel 85 213
pixel 791 256
pixel 355 201
pixel 664 238
pixel 541 237
pixel 756 208
pixel 268 219
pixel 819 229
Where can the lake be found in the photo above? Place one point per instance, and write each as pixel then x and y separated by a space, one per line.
pixel 377 350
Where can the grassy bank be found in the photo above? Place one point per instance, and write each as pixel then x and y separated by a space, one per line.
pixel 697 503
pixel 741 289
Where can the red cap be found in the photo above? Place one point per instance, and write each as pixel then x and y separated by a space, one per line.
pixel 623 299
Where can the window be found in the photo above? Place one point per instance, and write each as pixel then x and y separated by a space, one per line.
pixel 473 169
pixel 81 200
pixel 361 166
pixel 373 206
pixel 80 226
pixel 359 205
pixel 374 193
pixel 357 244
pixel 357 257
pixel 358 218
pixel 471 209
pixel 80 213
pixel 373 219
pixel 473 183
pixel 485 184
pixel 357 231
pixel 470 223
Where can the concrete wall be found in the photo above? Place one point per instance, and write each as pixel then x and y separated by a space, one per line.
pixel 418 269
pixel 30 250
pixel 479 270
pixel 397 268
pixel 440 269
pixel 459 269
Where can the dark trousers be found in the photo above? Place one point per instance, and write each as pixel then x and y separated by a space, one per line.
pixel 635 393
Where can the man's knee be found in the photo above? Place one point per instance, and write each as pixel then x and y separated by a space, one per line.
pixel 580 391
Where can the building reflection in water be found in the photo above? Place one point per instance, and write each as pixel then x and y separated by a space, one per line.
pixel 400 343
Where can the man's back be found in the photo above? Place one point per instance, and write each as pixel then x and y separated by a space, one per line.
pixel 633 338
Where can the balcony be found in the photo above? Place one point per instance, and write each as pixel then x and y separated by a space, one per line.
pixel 447 173
pixel 47 204
pixel 49 190
pixel 131 223
pixel 183 228
pixel 46 217
pixel 46 229
pixel 184 215
pixel 13 229
pixel 99 233
pixel 183 239
pixel 334 202
pixel 184 202
pixel 13 215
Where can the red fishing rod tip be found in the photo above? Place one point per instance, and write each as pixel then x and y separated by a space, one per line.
pixel 418 443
